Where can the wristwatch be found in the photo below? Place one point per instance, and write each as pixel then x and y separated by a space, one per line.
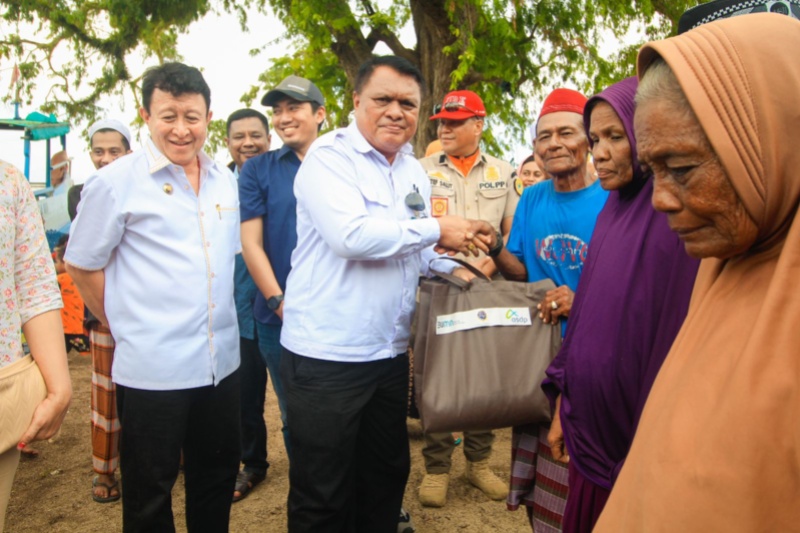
pixel 274 302
pixel 498 246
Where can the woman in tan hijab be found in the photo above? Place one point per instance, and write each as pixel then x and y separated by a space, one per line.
pixel 718 445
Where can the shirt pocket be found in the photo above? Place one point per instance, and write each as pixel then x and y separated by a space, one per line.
pixel 492 204
pixel 226 214
pixel 376 199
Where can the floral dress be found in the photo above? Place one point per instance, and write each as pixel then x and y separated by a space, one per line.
pixel 28 284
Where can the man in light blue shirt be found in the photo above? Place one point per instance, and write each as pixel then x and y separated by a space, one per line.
pixel 363 237
pixel 152 253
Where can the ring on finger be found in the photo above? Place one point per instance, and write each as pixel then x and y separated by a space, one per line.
pixel 553 305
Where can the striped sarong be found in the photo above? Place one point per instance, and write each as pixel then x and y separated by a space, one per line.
pixel 105 423
pixel 538 481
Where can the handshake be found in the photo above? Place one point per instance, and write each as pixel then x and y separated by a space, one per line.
pixel 469 237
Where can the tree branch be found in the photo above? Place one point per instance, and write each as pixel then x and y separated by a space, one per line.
pixel 391 40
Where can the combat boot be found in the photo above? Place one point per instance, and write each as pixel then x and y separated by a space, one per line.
pixel 433 490
pixel 480 475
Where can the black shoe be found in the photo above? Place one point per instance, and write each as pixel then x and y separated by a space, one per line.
pixel 245 482
pixel 404 523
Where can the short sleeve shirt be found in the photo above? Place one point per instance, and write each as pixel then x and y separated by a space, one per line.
pixel 266 190
pixel 168 259
pixel 486 193
pixel 552 231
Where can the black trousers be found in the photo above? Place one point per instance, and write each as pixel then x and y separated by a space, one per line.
pixel 350 453
pixel 156 425
pixel 253 374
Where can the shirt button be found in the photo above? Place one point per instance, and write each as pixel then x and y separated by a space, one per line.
pixel 213 306
pixel 202 214
pixel 208 244
pixel 211 335
pixel 213 275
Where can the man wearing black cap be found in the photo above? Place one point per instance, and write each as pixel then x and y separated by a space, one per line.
pixel 267 203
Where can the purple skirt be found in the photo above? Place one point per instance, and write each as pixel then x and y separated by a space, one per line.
pixel 585 502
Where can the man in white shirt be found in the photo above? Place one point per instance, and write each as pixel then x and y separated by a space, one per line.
pixel 364 234
pixel 152 252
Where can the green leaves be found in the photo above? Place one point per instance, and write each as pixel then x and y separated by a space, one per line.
pixel 511 52
pixel 102 33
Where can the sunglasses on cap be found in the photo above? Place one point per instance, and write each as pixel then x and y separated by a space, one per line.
pixel 455 106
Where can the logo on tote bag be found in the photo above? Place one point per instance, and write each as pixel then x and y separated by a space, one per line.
pixel 481 318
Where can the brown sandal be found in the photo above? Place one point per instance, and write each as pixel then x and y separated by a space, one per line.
pixel 110 498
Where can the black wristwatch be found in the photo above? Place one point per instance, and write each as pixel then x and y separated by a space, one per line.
pixel 274 302
pixel 498 246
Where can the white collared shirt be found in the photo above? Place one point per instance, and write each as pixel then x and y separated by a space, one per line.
pixel 168 257
pixel 351 292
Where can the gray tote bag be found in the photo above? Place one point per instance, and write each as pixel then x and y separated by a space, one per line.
pixel 480 353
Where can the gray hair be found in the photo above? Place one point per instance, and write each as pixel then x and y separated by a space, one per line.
pixel 659 82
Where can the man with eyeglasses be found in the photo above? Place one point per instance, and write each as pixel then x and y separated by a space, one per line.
pixel 469 183
pixel 364 234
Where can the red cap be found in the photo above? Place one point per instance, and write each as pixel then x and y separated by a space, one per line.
pixel 461 105
pixel 563 100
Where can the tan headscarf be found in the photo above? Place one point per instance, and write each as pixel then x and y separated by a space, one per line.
pixel 718 445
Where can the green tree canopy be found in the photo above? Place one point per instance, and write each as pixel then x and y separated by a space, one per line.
pixel 508 51
pixel 100 39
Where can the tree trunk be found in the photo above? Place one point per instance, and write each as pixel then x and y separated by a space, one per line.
pixel 432 27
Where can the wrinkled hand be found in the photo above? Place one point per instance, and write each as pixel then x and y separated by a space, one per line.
pixel 562 297
pixel 47 418
pixel 555 437
pixel 459 235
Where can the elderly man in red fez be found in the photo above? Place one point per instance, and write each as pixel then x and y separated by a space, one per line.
pixel 549 239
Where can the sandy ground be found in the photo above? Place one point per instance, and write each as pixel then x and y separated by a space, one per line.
pixel 53 492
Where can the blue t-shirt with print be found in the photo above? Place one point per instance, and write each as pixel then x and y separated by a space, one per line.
pixel 551 232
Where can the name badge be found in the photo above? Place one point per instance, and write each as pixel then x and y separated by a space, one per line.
pixel 492 185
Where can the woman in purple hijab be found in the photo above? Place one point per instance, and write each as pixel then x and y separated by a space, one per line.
pixel 631 301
